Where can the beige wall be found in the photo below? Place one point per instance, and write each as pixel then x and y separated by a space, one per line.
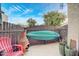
pixel 73 22
pixel 4 18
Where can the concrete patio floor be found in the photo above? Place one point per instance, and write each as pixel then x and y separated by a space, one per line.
pixel 44 50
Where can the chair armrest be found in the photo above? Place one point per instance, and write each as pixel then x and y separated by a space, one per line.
pixel 20 47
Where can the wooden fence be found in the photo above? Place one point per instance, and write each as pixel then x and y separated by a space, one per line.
pixel 14 35
pixel 0 27
pixel 10 26
pixel 11 30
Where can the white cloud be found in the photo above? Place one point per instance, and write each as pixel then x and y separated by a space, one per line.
pixel 17 8
pixel 18 20
pixel 27 11
pixel 39 20
pixel 40 14
pixel 22 20
pixel 10 10
pixel 4 9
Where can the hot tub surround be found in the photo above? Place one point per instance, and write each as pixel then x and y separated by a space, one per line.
pixel 43 35
pixel 62 30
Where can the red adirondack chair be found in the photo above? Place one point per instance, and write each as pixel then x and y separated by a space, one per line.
pixel 6 46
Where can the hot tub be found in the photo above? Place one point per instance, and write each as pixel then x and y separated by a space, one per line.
pixel 43 35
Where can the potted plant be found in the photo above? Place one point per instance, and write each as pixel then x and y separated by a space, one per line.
pixel 62 48
pixel 71 50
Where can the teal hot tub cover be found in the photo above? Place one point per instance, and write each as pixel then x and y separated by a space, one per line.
pixel 43 35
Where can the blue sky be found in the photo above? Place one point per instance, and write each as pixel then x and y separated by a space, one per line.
pixel 21 12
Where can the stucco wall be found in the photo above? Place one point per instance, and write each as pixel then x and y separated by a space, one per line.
pixel 73 22
pixel 4 17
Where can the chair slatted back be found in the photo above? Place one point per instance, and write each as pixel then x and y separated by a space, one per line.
pixel 5 44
